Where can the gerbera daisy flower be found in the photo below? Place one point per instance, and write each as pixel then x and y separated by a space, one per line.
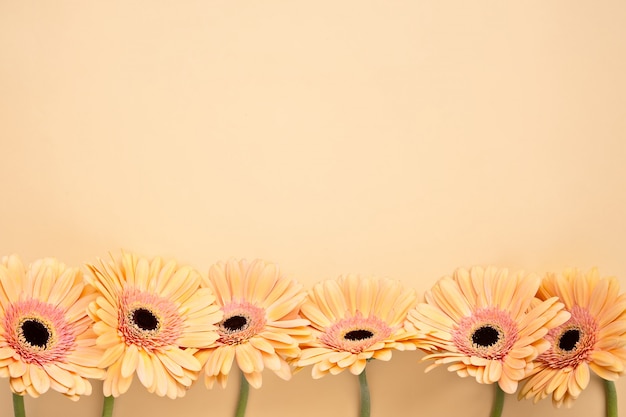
pixel 261 327
pixel 355 319
pixel 593 338
pixel 482 322
pixel 46 340
pixel 150 316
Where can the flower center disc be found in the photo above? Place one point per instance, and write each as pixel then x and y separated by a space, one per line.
pixel 35 333
pixel 355 334
pixel 148 320
pixel 569 339
pixel 242 320
pixel 235 323
pixel 488 333
pixel 358 335
pixel 572 342
pixel 145 319
pixel 485 336
pixel 38 332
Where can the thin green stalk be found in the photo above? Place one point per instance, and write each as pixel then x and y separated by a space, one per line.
pixel 498 401
pixel 610 397
pixel 107 406
pixel 365 396
pixel 242 403
pixel 18 406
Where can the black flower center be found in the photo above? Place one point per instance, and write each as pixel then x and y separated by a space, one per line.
pixel 35 333
pixel 358 335
pixel 145 319
pixel 569 339
pixel 235 323
pixel 485 336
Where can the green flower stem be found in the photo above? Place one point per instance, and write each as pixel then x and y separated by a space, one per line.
pixel 365 395
pixel 18 406
pixel 242 403
pixel 610 397
pixel 107 406
pixel 498 401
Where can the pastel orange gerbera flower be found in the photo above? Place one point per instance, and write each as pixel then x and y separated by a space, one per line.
pixel 46 340
pixel 150 316
pixel 482 322
pixel 593 338
pixel 355 319
pixel 261 327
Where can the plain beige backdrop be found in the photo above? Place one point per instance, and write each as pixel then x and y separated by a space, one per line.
pixel 400 139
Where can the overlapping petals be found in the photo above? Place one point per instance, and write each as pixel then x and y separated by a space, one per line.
pixel 594 338
pixel 46 337
pixel 355 319
pixel 487 324
pixel 150 317
pixel 261 327
pixel 167 325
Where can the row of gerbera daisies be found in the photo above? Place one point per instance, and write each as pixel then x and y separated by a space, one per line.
pixel 169 325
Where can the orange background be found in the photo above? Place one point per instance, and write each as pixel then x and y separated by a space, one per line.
pixel 394 138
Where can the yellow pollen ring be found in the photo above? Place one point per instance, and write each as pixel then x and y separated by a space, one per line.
pixel 52 336
pixel 558 340
pixel 130 319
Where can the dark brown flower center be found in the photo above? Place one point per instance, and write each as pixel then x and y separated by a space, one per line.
pixel 235 323
pixel 145 319
pixel 35 333
pixel 569 339
pixel 485 336
pixel 358 335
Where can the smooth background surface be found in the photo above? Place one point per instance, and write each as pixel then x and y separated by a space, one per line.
pixel 399 139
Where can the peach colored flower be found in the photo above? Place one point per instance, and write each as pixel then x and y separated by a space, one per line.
pixel 150 317
pixel 261 327
pixel 46 339
pixel 593 338
pixel 356 319
pixel 481 322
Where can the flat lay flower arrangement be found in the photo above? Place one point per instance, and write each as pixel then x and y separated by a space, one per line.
pixel 169 326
